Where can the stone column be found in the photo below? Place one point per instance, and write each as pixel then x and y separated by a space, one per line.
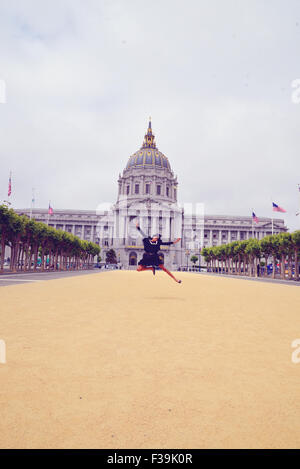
pixel 167 229
pixel 131 191
pixel 111 234
pixel 153 186
pixel 220 237
pixel 101 234
pixel 164 187
pixel 210 237
pixel 122 220
pixel 143 224
pixel 126 218
pixel 154 223
pixel 177 227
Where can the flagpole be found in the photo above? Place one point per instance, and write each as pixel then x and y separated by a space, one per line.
pixel 299 199
pixel 32 203
pixel 48 213
pixel 252 223
pixel 9 189
pixel 272 215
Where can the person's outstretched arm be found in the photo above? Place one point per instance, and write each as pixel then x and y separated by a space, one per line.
pixel 171 242
pixel 141 231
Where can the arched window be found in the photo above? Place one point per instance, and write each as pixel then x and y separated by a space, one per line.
pixel 132 258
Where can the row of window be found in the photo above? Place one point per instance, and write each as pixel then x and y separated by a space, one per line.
pixel 231 222
pixel 243 235
pixel 148 188
pixel 226 234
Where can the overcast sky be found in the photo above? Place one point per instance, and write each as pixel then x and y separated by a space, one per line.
pixel 83 76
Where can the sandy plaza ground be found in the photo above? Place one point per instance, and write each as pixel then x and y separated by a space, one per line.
pixel 129 360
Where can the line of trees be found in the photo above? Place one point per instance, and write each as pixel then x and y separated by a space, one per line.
pixel 248 256
pixel 33 242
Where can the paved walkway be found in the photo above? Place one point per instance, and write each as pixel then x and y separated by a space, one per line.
pixel 10 278
pixel 132 360
pixel 269 279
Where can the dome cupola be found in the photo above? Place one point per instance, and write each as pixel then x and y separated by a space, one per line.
pixel 148 156
pixel 148 175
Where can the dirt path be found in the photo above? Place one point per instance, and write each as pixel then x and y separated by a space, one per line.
pixel 129 360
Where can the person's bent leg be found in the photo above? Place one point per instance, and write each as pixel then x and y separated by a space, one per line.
pixel 162 267
pixel 142 267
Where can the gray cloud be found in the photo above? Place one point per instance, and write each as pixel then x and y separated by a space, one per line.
pixel 83 77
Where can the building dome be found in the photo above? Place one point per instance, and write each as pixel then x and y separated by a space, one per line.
pixel 148 156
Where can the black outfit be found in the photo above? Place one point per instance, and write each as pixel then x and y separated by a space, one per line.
pixel 151 255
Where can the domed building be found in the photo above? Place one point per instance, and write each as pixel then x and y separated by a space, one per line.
pixel 147 193
pixel 148 174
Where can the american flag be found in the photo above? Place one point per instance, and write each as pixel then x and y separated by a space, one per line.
pixel 50 210
pixel 9 186
pixel 254 217
pixel 276 208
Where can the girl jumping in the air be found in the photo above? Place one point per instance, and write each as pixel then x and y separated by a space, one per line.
pixel 151 258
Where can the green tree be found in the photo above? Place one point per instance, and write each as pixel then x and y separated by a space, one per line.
pixel 274 252
pixel 111 257
pixel 27 238
pixel 285 249
pixel 194 260
pixel 266 251
pixel 253 251
pixel 296 245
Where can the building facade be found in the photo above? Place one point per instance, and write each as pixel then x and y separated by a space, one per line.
pixel 147 193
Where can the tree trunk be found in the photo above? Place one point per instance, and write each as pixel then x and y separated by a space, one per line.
pixel 21 258
pixel 274 267
pixel 290 275
pixel 36 252
pixel 266 265
pixel 296 265
pixel 283 266
pixel 55 260
pixel 30 258
pixel 14 257
pixel 13 261
pixel 26 261
pixel 2 253
pixel 42 257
